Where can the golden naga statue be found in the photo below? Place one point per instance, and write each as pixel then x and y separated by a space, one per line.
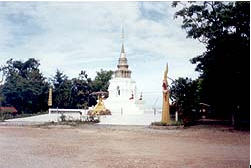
pixel 99 109
pixel 165 106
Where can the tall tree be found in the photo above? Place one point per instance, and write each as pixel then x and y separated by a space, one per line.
pixel 184 93
pixel 61 90
pixel 25 87
pixel 224 28
pixel 101 81
pixel 81 91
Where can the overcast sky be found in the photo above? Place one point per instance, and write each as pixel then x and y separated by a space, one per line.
pixel 72 36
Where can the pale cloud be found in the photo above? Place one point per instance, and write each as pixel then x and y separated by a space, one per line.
pixel 75 36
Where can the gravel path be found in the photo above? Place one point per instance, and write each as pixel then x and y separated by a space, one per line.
pixel 105 146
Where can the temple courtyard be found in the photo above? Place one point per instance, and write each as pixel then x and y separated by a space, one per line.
pixel 107 146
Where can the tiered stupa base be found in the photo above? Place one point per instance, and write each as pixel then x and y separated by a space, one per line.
pixel 125 107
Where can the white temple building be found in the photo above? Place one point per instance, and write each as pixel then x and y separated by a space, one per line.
pixel 123 96
pixel 124 102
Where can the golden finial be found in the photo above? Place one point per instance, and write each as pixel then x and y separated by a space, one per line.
pixel 50 97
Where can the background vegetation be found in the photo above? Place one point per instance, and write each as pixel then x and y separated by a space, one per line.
pixel 26 88
pixel 224 81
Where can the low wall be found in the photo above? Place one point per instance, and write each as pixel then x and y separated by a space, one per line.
pixel 70 114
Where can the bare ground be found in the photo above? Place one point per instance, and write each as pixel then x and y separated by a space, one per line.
pixel 99 146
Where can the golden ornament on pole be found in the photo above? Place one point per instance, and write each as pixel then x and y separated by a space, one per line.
pixel 50 98
pixel 165 108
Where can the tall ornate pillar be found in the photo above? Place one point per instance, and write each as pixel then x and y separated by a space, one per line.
pixel 165 107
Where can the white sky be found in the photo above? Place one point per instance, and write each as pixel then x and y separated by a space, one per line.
pixel 75 36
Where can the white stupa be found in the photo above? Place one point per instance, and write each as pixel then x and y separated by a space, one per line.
pixel 123 97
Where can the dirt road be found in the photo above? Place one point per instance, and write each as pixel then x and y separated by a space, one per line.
pixel 97 146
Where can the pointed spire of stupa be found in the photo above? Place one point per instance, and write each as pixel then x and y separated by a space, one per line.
pixel 122 53
pixel 122 32
pixel 122 71
pixel 122 48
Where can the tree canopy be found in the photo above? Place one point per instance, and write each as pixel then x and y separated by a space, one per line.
pixel 185 96
pixel 61 90
pixel 224 28
pixel 26 88
pixel 101 81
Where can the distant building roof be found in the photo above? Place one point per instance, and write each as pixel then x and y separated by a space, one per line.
pixel 8 110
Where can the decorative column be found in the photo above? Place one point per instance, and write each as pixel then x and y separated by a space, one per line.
pixel 165 108
pixel 50 99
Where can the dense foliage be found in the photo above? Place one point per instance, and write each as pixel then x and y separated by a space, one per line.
pixel 26 88
pixel 185 96
pixel 224 28
pixel 101 81
pixel 82 87
pixel 61 90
